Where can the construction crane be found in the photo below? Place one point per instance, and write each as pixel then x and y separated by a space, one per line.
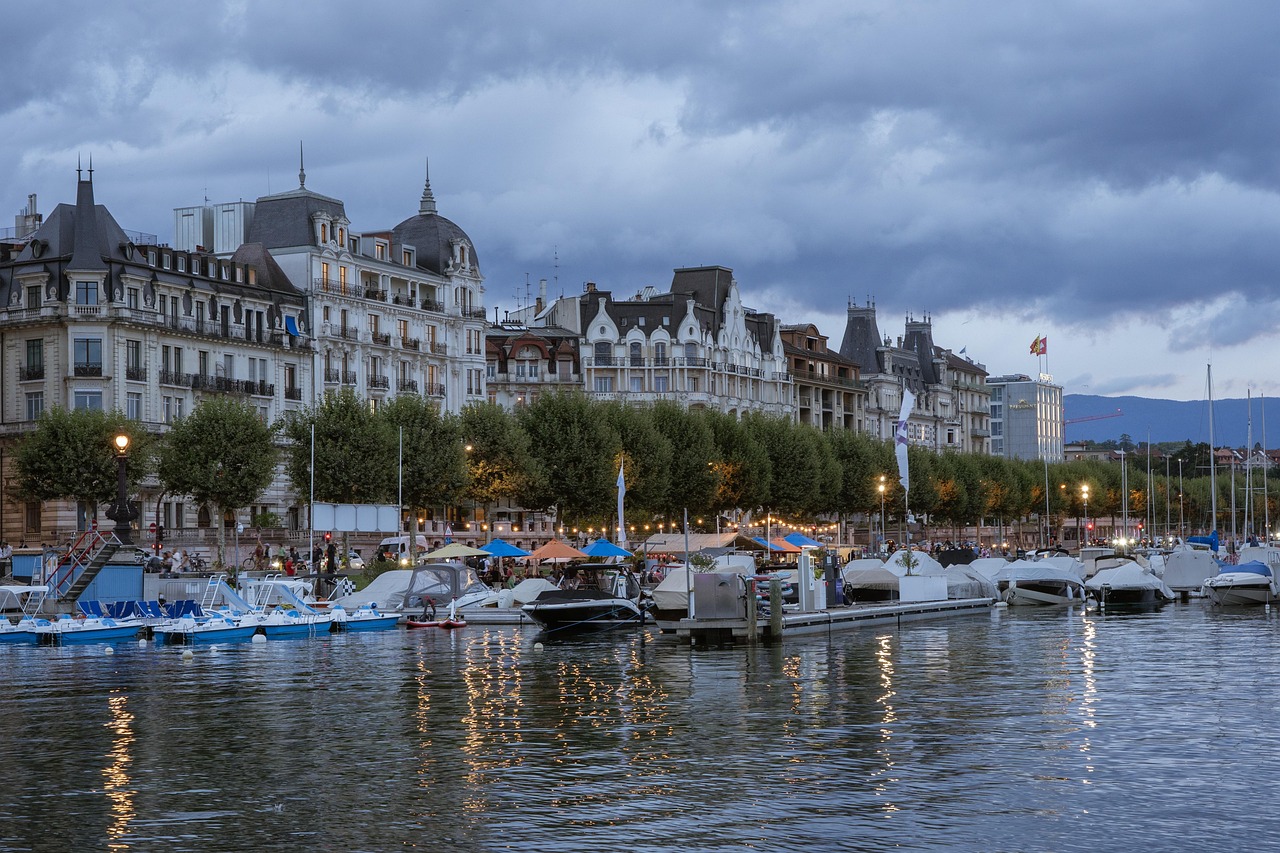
pixel 1117 413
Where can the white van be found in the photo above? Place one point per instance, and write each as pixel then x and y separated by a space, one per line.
pixel 398 547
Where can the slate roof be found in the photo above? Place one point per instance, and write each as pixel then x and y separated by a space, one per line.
pixel 284 220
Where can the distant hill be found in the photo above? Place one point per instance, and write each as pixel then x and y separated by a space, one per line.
pixel 1169 420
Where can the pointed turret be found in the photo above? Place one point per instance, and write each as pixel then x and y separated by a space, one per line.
pixel 86 254
pixel 428 203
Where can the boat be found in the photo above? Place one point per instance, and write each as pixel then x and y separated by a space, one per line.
pixel 271 606
pixel 28 600
pixel 1024 583
pixel 1186 569
pixel 1122 581
pixel 69 630
pixel 604 598
pixel 366 617
pixel 1248 583
pixel 203 630
pixel 404 591
pixel 447 622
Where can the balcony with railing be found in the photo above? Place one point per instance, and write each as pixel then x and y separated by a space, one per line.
pixel 383 338
pixel 407 386
pixel 350 333
pixel 135 374
pixel 26 374
pixel 439 348
pixel 411 344
pixel 293 393
pixel 435 390
pixel 690 361
pixel 332 375
pixel 337 288
pixel 475 314
pixel 88 368
pixel 348 377
pixel 429 304
pixel 379 382
pixel 375 294
pixel 403 299
pixel 174 378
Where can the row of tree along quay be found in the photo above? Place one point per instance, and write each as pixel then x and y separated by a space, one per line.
pixel 563 452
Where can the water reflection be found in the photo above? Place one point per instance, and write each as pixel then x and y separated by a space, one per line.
pixel 116 774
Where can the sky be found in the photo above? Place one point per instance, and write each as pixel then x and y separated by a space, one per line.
pixel 1103 174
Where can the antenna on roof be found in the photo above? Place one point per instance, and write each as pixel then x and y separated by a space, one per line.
pixel 91 168
pixel 302 172
pixel 79 177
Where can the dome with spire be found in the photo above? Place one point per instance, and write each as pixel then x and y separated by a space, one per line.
pixel 442 247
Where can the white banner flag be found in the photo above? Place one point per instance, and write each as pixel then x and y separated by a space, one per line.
pixel 900 438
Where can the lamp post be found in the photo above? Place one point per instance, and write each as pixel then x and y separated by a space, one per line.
pixel 881 489
pixel 121 513
pixel 1084 493
pixel 1182 532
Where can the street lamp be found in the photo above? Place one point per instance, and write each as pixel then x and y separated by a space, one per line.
pixel 881 488
pixel 121 512
pixel 1084 493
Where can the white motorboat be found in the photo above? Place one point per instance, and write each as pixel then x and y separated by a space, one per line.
pixel 29 626
pixel 406 591
pixel 1248 583
pixel 1125 582
pixel 1041 583
pixel 366 617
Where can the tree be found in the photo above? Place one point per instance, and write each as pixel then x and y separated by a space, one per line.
pixel 499 465
pixel 741 465
pixel 575 450
pixel 222 455
pixel 647 455
pixel 432 463
pixel 71 456
pixel 693 450
pixel 355 451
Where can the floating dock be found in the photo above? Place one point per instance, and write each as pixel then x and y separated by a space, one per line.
pixel 815 622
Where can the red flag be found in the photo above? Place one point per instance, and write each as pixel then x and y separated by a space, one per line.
pixel 1044 346
pixel 1035 346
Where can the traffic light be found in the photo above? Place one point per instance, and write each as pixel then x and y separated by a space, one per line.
pixel 328 537
pixel 1089 526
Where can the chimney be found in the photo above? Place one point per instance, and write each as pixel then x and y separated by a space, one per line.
pixel 542 295
pixel 589 287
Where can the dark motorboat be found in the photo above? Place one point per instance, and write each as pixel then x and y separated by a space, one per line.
pixel 597 597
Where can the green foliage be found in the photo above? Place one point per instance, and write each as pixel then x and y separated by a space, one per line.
pixel 647 455
pixel 355 451
pixel 741 466
pixel 430 450
pixel 499 463
pixel 693 452
pixel 70 456
pixel 221 454
pixel 575 450
pixel 265 519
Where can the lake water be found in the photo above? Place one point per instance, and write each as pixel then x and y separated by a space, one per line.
pixel 1011 731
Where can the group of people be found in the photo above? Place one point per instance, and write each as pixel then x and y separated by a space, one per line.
pixel 287 560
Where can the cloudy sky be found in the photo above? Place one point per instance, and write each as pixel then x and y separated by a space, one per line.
pixel 1105 174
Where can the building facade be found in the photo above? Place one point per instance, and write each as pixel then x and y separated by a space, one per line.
pixel 99 318
pixel 696 343
pixel 1026 418
pixel 391 311
pixel 951 408
pixel 827 391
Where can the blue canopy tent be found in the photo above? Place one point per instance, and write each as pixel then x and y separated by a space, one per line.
pixel 605 548
pixel 803 541
pixel 500 548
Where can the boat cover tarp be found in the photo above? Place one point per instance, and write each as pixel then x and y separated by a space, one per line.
pixel 1252 567
pixel 1188 569
pixel 1128 576
pixel 988 566
pixel 802 541
pixel 1066 563
pixel 1042 570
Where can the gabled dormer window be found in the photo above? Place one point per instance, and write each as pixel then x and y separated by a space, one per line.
pixel 324 232
pixel 182 264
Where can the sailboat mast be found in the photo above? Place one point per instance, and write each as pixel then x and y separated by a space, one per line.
pixel 1266 506
pixel 1248 464
pixel 1213 462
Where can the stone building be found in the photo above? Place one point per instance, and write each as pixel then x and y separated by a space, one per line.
pixel 100 318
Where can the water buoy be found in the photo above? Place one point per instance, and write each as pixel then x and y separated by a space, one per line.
pixel 537 647
pixel 109 651
pixel 187 654
pixel 142 642
pixel 258 638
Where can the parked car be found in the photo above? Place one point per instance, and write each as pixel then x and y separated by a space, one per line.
pixel 355 562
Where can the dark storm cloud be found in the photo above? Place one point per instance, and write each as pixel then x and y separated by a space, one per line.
pixel 1031 157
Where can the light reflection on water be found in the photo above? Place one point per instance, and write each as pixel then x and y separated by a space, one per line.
pixel 1015 731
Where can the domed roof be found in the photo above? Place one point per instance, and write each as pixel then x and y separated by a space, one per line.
pixel 434 237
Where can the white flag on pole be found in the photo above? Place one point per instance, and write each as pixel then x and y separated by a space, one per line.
pixel 622 525
pixel 900 438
